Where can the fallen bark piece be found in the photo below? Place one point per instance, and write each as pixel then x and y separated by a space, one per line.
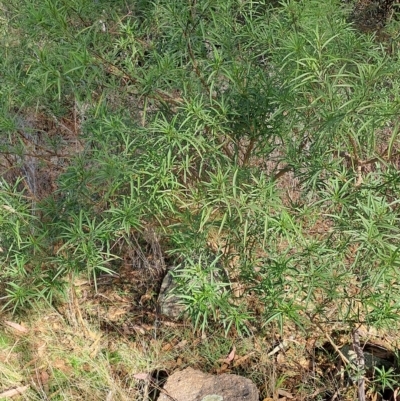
pixel 16 326
pixel 193 385
pixel 13 392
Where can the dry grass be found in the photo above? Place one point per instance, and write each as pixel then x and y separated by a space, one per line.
pixel 92 347
pixel 70 356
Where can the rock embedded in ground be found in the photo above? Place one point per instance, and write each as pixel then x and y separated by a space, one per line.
pixel 169 304
pixel 193 385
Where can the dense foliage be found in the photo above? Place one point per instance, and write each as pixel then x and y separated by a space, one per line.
pixel 257 142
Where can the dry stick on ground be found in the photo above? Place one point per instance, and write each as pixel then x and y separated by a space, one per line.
pixel 150 384
pixel 360 359
pixel 360 365
pixel 335 347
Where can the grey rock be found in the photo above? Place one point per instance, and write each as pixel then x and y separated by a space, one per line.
pixel 193 385
pixel 168 303
pixel 374 356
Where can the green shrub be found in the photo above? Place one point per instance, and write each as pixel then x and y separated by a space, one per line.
pixel 264 135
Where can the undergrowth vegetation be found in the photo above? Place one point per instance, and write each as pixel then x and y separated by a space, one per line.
pixel 256 144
